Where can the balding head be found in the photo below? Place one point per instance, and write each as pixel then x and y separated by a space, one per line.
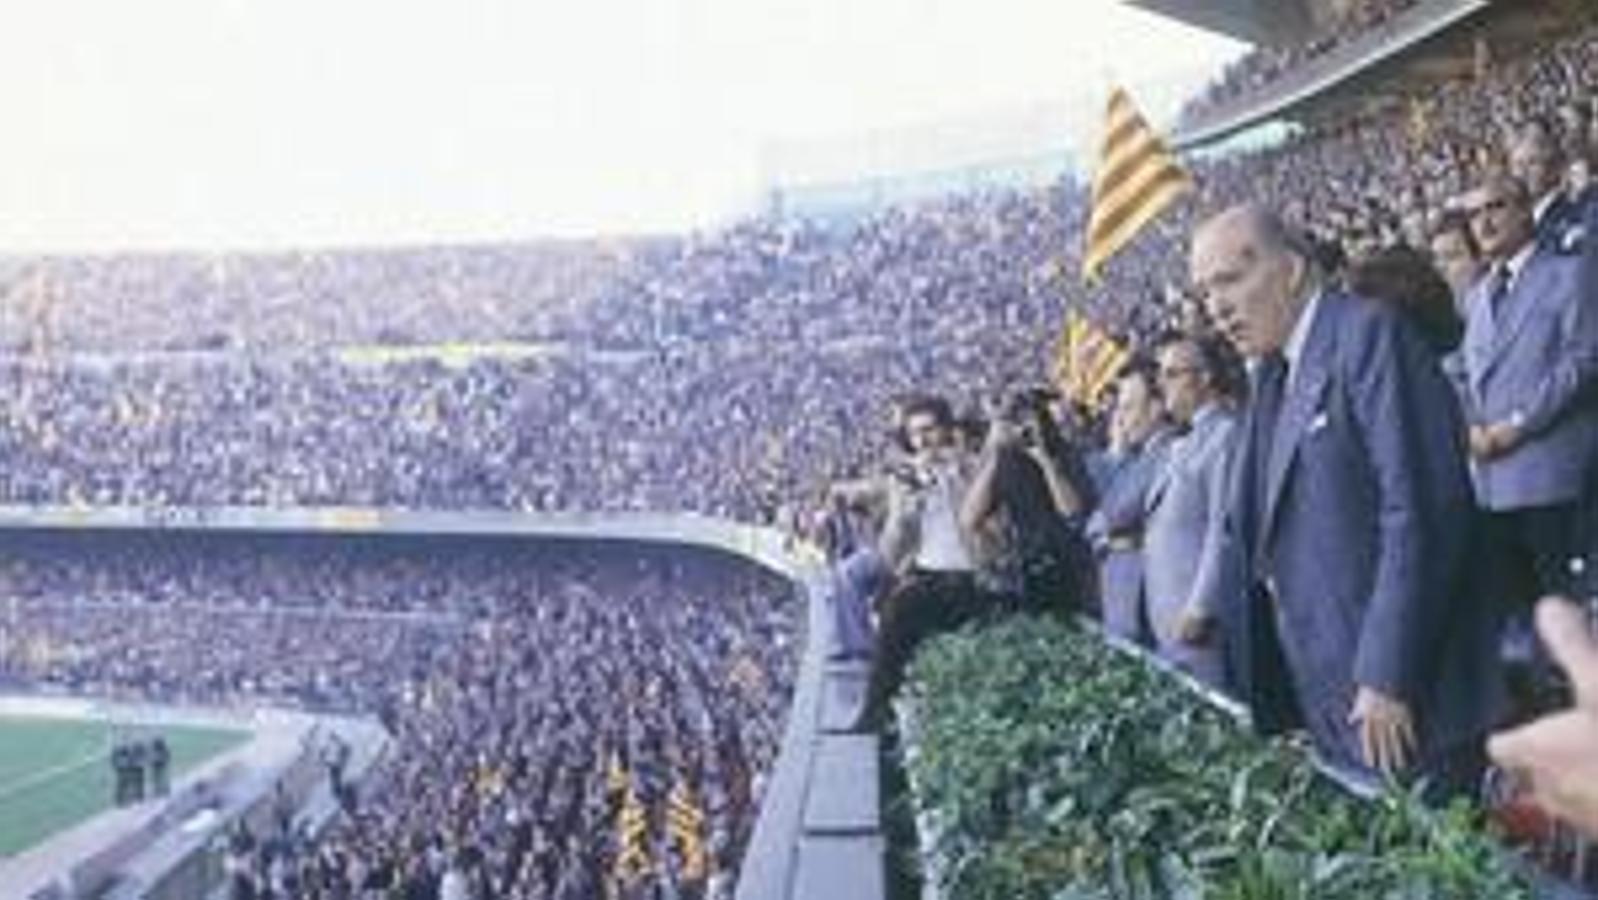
pixel 1252 272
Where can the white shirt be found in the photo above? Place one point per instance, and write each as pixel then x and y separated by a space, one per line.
pixel 942 545
pixel 1517 263
pixel 1300 334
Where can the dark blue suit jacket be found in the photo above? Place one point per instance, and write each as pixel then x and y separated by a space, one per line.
pixel 1356 574
pixel 1562 228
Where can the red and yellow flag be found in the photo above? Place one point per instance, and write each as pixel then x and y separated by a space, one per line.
pixel 1087 361
pixel 1138 179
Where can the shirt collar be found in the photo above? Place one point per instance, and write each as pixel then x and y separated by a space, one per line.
pixel 1205 413
pixel 1300 334
pixel 1517 263
pixel 1544 205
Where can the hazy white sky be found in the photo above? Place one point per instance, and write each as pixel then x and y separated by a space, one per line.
pixel 247 123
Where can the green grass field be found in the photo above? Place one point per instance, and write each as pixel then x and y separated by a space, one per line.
pixel 55 773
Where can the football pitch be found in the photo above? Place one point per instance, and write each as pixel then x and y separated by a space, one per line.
pixel 55 773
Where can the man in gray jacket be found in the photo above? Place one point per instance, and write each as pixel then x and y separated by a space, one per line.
pixel 1187 504
pixel 1531 356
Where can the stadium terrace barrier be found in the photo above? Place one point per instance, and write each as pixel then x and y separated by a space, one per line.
pixel 818 834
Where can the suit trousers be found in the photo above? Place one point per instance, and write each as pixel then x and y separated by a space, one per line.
pixel 1532 549
pixel 1531 552
pixel 924 605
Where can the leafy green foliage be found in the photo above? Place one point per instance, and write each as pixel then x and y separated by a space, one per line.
pixel 1057 768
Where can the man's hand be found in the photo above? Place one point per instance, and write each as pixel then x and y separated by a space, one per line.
pixel 1504 437
pixel 1001 435
pixel 1480 446
pixel 1492 441
pixel 1386 730
pixel 1558 754
pixel 1194 627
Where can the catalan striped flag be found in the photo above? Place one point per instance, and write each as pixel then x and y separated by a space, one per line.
pixel 633 860
pixel 685 822
pixel 1137 179
pixel 1087 361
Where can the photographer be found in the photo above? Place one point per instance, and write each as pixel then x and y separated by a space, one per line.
pixel 925 547
pixel 850 532
pixel 1016 510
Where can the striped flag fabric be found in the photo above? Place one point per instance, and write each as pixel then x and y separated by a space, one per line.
pixel 1138 178
pixel 685 822
pixel 1087 361
pixel 633 861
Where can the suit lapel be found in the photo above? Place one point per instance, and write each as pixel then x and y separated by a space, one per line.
pixel 1306 384
pixel 1518 309
pixel 1162 480
pixel 1479 335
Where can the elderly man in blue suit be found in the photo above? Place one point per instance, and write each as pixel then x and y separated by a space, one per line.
pixel 1351 519
pixel 1187 505
pixel 1531 359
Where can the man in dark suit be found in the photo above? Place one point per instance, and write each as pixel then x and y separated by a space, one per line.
pixel 1350 524
pixel 1538 161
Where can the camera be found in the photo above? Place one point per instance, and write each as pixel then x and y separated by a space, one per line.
pixel 1024 408
pixel 909 476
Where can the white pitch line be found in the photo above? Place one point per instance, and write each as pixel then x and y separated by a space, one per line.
pixel 46 775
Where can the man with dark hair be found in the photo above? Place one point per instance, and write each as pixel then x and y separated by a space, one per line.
pixel 1403 277
pixel 1344 608
pixel 1138 441
pixel 1187 504
pixel 924 545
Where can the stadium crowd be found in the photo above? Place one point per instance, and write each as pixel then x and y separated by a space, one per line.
pixel 730 372
pixel 861 380
pixel 531 694
pixel 1266 66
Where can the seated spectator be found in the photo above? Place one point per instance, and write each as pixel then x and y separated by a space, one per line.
pixel 925 546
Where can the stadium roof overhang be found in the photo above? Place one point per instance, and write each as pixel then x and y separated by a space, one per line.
pixel 1255 21
pixel 1327 75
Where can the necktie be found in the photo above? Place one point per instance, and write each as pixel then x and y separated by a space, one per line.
pixel 1502 278
pixel 1265 408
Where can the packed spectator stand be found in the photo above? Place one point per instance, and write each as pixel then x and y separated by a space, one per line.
pixel 526 688
pixel 736 373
